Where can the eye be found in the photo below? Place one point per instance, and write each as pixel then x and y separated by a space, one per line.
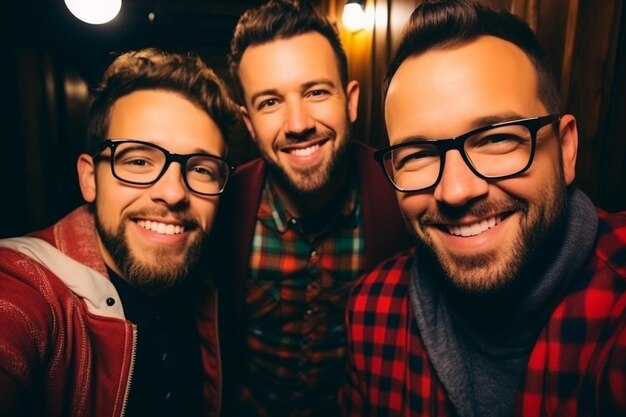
pixel 498 142
pixel 267 103
pixel 317 93
pixel 413 158
pixel 204 169
pixel 136 162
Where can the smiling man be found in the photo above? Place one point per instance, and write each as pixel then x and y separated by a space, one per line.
pixel 301 223
pixel 514 301
pixel 109 312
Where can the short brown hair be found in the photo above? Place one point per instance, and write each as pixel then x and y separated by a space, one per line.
pixel 153 69
pixel 281 19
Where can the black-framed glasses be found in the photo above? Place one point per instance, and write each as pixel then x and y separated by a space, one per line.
pixel 496 151
pixel 143 163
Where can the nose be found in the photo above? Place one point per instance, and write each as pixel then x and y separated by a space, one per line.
pixel 298 118
pixel 458 184
pixel 170 189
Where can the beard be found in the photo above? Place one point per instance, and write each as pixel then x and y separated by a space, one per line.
pixel 312 180
pixel 493 274
pixel 155 272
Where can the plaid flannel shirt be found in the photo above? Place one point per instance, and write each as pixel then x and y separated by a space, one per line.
pixel 297 292
pixel 230 250
pixel 577 366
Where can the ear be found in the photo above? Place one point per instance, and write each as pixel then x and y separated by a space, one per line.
pixel 352 96
pixel 246 119
pixel 86 177
pixel 568 133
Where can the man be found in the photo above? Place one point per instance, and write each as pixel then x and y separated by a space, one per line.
pixel 304 218
pixel 98 311
pixel 514 302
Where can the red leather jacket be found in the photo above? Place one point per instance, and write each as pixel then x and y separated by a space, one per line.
pixel 65 347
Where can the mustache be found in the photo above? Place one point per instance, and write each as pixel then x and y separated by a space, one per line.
pixel 483 208
pixel 180 214
pixel 307 136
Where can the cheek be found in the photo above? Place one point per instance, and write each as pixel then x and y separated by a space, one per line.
pixel 537 183
pixel 412 205
pixel 334 116
pixel 267 128
pixel 114 198
pixel 206 210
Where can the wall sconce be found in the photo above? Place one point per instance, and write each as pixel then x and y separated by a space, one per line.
pixel 353 16
pixel 95 12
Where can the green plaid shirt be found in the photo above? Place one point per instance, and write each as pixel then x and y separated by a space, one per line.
pixel 296 298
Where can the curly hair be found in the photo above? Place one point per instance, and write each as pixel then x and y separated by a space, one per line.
pixel 150 69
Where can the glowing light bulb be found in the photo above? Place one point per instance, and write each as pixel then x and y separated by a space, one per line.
pixel 353 16
pixel 95 12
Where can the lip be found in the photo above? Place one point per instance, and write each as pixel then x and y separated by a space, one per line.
pixel 162 230
pixel 161 227
pixel 474 228
pixel 305 153
pixel 303 145
pixel 478 235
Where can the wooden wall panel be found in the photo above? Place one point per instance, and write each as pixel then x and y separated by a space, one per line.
pixel 585 43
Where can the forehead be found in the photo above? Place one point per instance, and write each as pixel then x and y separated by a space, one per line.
pixel 286 60
pixel 167 119
pixel 444 91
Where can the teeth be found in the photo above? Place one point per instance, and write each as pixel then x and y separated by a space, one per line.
pixel 475 228
pixel 305 151
pixel 161 228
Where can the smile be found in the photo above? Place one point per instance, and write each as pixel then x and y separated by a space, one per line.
pixel 304 151
pixel 161 228
pixel 474 228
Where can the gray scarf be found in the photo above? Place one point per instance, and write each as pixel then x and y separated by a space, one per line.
pixel 480 360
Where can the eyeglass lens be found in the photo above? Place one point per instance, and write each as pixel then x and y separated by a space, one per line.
pixel 143 164
pixel 493 153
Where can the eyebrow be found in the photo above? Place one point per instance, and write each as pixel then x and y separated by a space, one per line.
pixel 305 86
pixel 162 145
pixel 321 81
pixel 268 92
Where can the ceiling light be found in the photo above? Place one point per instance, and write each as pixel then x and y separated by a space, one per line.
pixel 95 12
pixel 353 16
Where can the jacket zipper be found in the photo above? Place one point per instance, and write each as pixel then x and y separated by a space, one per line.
pixel 130 371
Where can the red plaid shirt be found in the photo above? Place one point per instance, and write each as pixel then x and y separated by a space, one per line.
pixel 577 366
pixel 296 296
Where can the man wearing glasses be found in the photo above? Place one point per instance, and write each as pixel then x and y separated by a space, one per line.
pixel 514 300
pixel 109 312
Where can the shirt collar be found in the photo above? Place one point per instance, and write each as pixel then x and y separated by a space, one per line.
pixel 273 213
